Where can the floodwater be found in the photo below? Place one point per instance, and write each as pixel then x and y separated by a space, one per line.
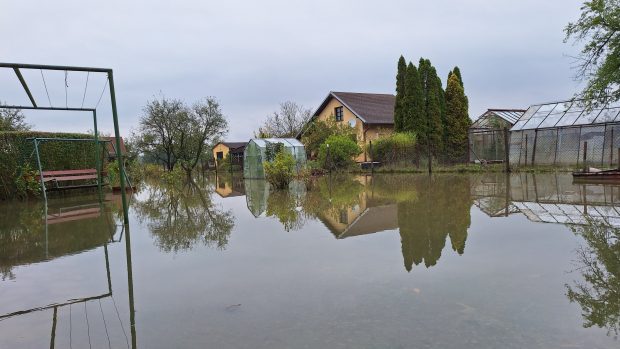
pixel 390 261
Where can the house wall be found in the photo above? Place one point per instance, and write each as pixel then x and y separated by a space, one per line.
pixel 220 147
pixel 372 132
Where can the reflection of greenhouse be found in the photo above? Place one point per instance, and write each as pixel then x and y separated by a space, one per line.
pixel 548 198
pixel 555 134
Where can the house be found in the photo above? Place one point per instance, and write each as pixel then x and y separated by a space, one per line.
pixel 111 147
pixel 370 114
pixel 236 149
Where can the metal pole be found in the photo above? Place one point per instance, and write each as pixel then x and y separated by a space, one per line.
pixel 506 149
pixel 619 158
pixel 119 159
pixel 132 310
pixel 525 149
pixel 36 150
pixel 534 147
pixel 557 140
pixel 611 148
pixel 97 155
pixel 585 156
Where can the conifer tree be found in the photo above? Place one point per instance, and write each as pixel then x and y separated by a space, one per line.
pixel 414 120
pixel 399 110
pixel 457 120
pixel 456 71
pixel 433 93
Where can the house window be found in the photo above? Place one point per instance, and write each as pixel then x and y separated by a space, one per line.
pixel 344 217
pixel 338 113
pixel 219 154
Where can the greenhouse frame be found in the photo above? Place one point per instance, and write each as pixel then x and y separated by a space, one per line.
pixel 256 153
pixel 486 134
pixel 567 134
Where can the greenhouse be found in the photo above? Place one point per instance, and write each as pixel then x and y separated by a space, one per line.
pixel 566 133
pixel 486 134
pixel 260 150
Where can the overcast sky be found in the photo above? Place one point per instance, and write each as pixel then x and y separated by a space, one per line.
pixel 252 55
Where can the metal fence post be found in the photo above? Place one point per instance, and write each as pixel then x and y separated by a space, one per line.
pixel 506 150
pixel 611 148
pixel 557 139
pixel 585 156
pixel 525 150
pixel 534 147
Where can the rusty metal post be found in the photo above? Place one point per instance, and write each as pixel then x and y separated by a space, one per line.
pixel 525 150
pixel 585 156
pixel 506 149
pixel 611 148
pixel 534 147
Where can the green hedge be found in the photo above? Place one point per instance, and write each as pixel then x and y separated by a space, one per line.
pixel 16 150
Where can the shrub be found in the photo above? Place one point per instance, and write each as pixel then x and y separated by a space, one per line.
pixel 340 152
pixel 16 150
pixel 280 171
pixel 397 147
pixel 27 183
pixel 318 132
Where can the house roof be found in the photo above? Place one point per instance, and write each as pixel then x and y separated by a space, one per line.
pixel 111 146
pixel 371 108
pixel 233 145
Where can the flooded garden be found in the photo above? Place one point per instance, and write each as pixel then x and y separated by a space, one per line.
pixel 344 261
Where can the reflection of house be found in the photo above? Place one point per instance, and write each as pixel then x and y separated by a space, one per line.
pixel 229 186
pixel 222 149
pixel 362 219
pixel 370 114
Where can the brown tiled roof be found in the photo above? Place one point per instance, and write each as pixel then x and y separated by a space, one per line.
pixel 111 145
pixel 234 145
pixel 371 108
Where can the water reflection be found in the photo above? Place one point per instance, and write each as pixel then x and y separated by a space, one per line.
pixel 64 301
pixel 425 210
pixel 181 215
pixel 599 264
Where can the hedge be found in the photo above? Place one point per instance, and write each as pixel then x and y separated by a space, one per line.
pixel 16 150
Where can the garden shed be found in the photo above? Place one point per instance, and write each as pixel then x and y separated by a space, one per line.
pixel 259 150
pixel 566 133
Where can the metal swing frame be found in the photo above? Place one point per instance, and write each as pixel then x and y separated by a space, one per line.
pixel 16 67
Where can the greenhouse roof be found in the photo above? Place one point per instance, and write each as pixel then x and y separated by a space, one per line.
pixel 290 142
pixel 509 115
pixel 565 114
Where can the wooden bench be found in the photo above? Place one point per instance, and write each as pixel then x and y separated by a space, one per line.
pixel 55 177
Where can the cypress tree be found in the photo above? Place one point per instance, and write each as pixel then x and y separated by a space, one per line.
pixel 433 95
pixel 399 110
pixel 456 71
pixel 457 120
pixel 414 120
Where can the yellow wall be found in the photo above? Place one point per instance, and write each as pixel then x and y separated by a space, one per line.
pixel 220 147
pixel 372 131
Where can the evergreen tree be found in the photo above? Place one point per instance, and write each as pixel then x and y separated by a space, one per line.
pixel 414 120
pixel 457 120
pixel 399 110
pixel 456 71
pixel 433 93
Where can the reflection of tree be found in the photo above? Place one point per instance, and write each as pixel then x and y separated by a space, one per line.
pixel 181 215
pixel 599 263
pixel 441 210
pixel 332 194
pixel 285 205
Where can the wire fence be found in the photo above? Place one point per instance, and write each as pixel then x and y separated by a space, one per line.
pixel 577 146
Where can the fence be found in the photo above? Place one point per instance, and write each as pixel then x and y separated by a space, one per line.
pixel 486 145
pixel 597 145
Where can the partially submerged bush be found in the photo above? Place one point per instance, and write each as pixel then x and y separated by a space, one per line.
pixel 27 182
pixel 340 152
pixel 397 147
pixel 318 131
pixel 280 171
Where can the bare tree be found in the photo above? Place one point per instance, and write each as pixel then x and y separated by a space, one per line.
pixel 162 118
pixel 286 122
pixel 204 123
